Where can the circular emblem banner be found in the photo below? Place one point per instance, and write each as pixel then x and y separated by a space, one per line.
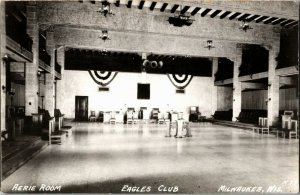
pixel 102 78
pixel 180 81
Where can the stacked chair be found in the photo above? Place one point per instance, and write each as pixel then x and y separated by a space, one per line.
pixel 294 132
pixel 263 126
pixel 129 114
pixel 112 118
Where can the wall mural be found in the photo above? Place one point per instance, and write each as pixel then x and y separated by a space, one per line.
pixel 180 81
pixel 103 78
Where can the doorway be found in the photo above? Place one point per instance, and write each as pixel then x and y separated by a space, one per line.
pixel 81 108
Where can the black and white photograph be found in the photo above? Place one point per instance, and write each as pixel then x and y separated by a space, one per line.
pixel 149 96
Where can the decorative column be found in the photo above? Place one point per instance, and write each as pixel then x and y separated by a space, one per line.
pixel 214 94
pixel 31 77
pixel 273 87
pixel 49 87
pixel 2 63
pixel 60 84
pixel 237 85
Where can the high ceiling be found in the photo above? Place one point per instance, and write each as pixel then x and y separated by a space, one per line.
pixel 208 9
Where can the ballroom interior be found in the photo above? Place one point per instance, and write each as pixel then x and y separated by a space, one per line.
pixel 125 96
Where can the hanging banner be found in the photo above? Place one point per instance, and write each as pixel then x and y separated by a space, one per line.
pixel 180 81
pixel 102 78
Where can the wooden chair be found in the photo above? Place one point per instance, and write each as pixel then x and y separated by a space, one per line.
pixel 55 136
pixel 260 124
pixel 160 118
pixel 166 117
pixel 129 117
pixel 93 116
pixel 112 118
pixel 294 133
pixel 265 128
pixel 135 117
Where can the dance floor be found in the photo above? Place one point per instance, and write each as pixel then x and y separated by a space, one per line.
pixel 118 158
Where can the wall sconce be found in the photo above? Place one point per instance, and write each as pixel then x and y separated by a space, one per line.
pixel 269 85
pixel 104 35
pixel 3 87
pixel 5 58
pixel 269 99
pixel 233 99
pixel 105 9
pixel 209 44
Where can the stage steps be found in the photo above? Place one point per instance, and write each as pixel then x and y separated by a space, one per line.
pixel 16 153
pixel 234 124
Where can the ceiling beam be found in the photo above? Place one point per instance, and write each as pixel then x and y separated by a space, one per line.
pixel 215 13
pixel 129 4
pixel 163 7
pixel 243 17
pixel 225 14
pixel 252 18
pixel 278 21
pixel 205 12
pixel 261 19
pixel 286 22
pixel 174 8
pixel 234 15
pixel 270 20
pixel 291 24
pixel 141 4
pixel 195 11
pixel 184 9
pixel 153 4
pixel 117 3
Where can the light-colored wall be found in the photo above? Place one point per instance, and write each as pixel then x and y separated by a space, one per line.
pixel 225 95
pixel 123 90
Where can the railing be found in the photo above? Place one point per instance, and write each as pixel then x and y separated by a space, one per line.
pixel 57 68
pixel 16 30
pixel 225 69
pixel 44 56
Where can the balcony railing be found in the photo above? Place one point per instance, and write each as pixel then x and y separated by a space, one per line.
pixel 57 68
pixel 16 30
pixel 44 56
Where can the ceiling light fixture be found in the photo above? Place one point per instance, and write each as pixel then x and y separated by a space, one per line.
pixel 181 20
pixel 245 26
pixel 105 9
pixel 209 44
pixel 104 35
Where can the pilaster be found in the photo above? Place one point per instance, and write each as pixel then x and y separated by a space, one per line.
pixel 31 76
pixel 273 87
pixel 214 94
pixel 60 89
pixel 49 87
pixel 237 85
pixel 2 63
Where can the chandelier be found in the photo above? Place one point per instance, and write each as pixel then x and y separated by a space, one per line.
pixel 245 26
pixel 209 44
pixel 104 35
pixel 105 9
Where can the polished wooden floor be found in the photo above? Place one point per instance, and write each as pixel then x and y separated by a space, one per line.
pixel 103 158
